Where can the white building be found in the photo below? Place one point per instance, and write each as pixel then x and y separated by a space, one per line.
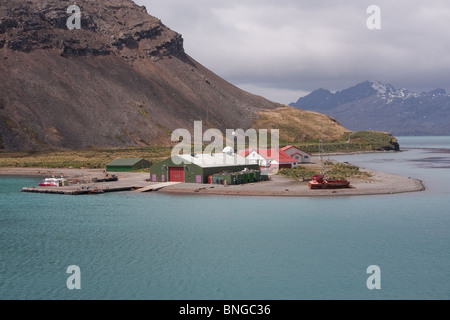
pixel 270 158
pixel 299 155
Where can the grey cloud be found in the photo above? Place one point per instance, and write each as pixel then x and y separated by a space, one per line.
pixel 299 46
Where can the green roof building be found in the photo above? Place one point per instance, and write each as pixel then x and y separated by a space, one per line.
pixel 127 164
pixel 197 168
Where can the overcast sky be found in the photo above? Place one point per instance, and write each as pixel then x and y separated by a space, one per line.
pixel 284 49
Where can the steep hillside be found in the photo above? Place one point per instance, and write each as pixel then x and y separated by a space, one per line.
pixel 298 125
pixel 306 129
pixel 123 79
pixel 378 106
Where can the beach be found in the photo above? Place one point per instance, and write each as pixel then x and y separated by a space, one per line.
pixel 378 183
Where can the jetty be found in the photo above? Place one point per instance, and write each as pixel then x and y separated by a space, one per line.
pixel 128 184
pixel 72 190
pixel 156 187
pixel 379 183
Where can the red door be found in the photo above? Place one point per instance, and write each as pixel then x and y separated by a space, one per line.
pixel 285 165
pixel 176 174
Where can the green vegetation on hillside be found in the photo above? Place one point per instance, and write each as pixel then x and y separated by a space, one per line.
pixel 353 142
pixel 93 158
pixel 345 171
pixel 332 171
pixel 305 130
pixel 300 173
pixel 374 139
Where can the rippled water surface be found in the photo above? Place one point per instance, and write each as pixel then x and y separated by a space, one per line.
pixel 156 246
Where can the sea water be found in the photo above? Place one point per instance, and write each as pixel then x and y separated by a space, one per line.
pixel 166 247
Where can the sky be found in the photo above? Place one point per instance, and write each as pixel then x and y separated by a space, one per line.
pixel 285 49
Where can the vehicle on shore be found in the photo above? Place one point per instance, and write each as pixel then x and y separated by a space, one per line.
pixel 107 179
pixel 96 191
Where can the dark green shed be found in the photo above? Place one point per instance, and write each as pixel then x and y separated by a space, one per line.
pixel 127 164
pixel 197 168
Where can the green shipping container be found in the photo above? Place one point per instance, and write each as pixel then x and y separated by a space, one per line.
pixel 228 180
pixel 238 178
pixel 222 179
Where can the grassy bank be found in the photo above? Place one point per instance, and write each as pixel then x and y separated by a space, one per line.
pixel 361 141
pixel 98 158
pixel 92 158
pixel 332 170
pixel 305 130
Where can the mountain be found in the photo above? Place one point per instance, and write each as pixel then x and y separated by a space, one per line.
pixel 123 79
pixel 377 106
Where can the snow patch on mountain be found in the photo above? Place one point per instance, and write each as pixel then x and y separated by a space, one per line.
pixel 389 93
pixel 373 104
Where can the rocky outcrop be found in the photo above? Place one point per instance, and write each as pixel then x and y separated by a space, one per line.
pixel 106 27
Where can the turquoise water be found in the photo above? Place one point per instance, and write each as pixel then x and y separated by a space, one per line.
pixel 156 246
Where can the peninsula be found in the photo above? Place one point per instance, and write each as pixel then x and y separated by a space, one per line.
pixel 376 183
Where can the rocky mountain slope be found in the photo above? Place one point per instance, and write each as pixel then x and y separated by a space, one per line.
pixel 123 79
pixel 378 106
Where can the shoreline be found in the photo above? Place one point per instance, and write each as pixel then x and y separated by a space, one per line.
pixel 328 154
pixel 47 172
pixel 380 183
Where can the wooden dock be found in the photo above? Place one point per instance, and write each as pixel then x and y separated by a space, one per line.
pixel 156 187
pixel 71 191
pixel 84 189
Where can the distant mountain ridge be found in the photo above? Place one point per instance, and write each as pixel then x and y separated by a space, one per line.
pixel 378 106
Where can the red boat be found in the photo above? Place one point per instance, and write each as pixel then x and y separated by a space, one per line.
pixel 319 182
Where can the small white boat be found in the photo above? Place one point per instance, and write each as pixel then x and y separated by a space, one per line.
pixel 51 182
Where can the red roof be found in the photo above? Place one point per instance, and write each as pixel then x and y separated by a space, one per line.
pixel 244 153
pixel 289 147
pixel 284 157
pixel 271 154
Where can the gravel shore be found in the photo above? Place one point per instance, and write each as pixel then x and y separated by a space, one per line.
pixel 379 183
